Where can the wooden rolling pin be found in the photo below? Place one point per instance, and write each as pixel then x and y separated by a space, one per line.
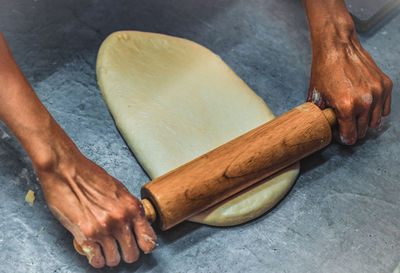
pixel 236 165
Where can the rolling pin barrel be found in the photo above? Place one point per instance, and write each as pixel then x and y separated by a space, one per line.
pixel 238 164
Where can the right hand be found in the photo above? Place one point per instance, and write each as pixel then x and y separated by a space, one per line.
pixel 96 208
pixel 345 77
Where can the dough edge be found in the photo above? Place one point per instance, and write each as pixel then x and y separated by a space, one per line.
pixel 251 203
pixel 222 214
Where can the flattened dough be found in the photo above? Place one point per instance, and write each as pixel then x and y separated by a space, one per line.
pixel 174 100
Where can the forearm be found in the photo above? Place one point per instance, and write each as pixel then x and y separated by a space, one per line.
pixel 330 23
pixel 24 114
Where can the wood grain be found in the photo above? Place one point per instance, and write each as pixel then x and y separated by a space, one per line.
pixel 238 164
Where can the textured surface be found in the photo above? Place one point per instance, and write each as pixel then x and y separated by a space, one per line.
pixel 366 9
pixel 342 215
pixel 369 13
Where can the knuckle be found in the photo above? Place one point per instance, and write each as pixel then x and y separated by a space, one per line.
pixel 119 216
pixel 346 107
pixel 103 222
pixel 388 82
pixel 134 203
pixel 113 220
pixel 376 85
pixel 126 214
pixel 89 231
pixel 134 207
pixel 366 100
pixel 345 113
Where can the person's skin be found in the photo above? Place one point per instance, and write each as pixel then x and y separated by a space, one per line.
pixel 343 75
pixel 95 207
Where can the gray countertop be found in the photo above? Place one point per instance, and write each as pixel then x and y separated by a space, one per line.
pixel 343 213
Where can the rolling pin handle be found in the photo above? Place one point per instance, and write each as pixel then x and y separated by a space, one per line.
pixel 149 210
pixel 330 116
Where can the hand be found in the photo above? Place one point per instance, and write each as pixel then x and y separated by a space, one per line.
pixel 345 77
pixel 96 208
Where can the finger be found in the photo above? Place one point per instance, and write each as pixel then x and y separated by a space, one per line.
pixel 363 119
pixel 362 124
pixel 376 115
pixel 145 235
pixel 347 128
pixel 126 240
pixel 387 105
pixel 93 253
pixel 110 250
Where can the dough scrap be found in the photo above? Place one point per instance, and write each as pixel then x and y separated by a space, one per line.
pixel 174 100
pixel 30 197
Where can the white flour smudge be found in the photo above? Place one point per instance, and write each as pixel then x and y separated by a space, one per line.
pixel 316 97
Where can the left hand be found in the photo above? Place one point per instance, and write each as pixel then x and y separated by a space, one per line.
pixel 345 77
pixel 95 207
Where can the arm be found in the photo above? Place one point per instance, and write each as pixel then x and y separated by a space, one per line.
pixel 95 207
pixel 343 75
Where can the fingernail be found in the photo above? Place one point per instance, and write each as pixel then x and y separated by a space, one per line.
pixel 363 134
pixel 348 141
pixel 380 124
pixel 147 252
pixel 342 140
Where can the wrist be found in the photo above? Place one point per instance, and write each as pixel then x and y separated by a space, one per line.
pixel 330 23
pixel 333 34
pixel 51 149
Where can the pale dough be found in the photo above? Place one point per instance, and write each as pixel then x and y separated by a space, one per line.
pixel 30 197
pixel 174 100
